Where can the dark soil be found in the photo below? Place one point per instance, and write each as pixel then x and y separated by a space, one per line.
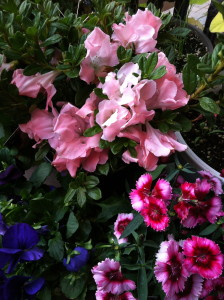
pixel 207 141
pixel 191 45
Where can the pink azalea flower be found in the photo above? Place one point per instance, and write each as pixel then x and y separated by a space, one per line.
pixel 203 257
pixel 170 89
pixel 120 224
pixel 70 128
pixel 101 53
pixel 63 164
pixel 108 277
pixel 161 144
pixel 155 214
pixel 169 268
pixel 141 30
pixel 101 295
pixel 31 86
pixel 40 127
pixel 191 291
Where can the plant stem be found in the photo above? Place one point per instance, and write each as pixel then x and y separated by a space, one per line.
pixel 211 78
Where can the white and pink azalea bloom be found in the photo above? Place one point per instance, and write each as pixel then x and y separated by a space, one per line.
pixel 40 127
pixel 169 268
pixel 191 291
pixel 170 93
pixel 120 224
pixel 216 184
pixel 108 277
pixel 101 54
pixel 101 295
pixel 140 30
pixel 31 86
pixel 203 257
pixel 111 117
pixel 155 214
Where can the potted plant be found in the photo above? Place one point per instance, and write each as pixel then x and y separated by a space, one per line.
pixel 95 98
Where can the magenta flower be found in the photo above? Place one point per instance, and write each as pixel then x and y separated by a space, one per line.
pixel 122 221
pixel 191 291
pixel 169 268
pixel 155 214
pixel 108 277
pixel 139 196
pixel 100 295
pixel 203 257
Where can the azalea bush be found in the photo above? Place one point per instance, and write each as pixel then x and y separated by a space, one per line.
pixel 95 203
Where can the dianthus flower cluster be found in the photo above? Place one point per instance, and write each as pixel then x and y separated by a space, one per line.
pixel 189 269
pixel 111 283
pixel 197 203
pixel 128 103
pixel 152 203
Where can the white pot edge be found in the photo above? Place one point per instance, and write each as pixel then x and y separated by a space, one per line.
pixel 196 161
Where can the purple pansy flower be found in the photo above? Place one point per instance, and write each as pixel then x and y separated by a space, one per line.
pixel 14 287
pixel 19 243
pixel 77 261
pixel 10 174
pixel 3 226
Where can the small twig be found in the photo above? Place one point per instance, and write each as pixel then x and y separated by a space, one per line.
pixel 77 12
pixel 11 136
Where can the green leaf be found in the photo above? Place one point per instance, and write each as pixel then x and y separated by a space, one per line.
pixel 95 193
pixel 204 68
pixel 215 54
pixel 158 73
pixel 51 40
pixel 56 247
pixel 210 229
pixel 180 31
pixel 91 181
pixel 124 55
pixel 116 146
pixel 41 173
pixel 72 287
pixel 72 225
pixel 42 152
pixel 44 294
pixel 133 225
pixel 99 93
pixel 155 174
pixel 219 6
pixel 81 196
pixel 92 131
pixel 31 31
pixel 72 73
pixel 185 123
pixel 142 284
pixel 198 1
pixel 150 64
pixel 32 69
pixel 69 195
pixel 209 105
pixel 104 169
pixel 189 79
